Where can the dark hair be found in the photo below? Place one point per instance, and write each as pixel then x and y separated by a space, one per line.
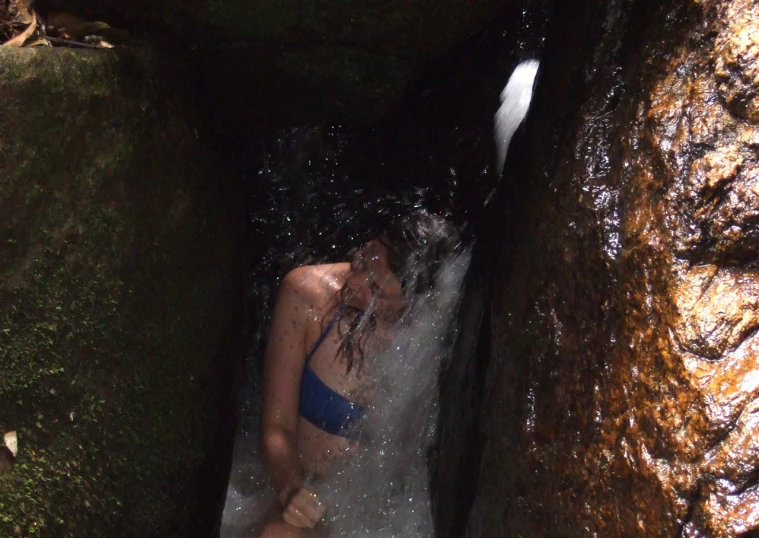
pixel 416 244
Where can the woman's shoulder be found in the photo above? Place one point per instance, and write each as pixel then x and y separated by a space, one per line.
pixel 317 284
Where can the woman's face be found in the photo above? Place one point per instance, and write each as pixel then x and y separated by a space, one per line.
pixel 371 283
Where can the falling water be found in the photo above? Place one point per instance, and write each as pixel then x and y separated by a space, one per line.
pixel 515 99
pixel 311 208
pixel 382 491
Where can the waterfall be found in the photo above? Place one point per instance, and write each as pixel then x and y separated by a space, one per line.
pixel 312 208
pixel 515 102
pixel 382 491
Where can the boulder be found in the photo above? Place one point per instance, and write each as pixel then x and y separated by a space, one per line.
pixel 118 273
pixel 290 62
pixel 415 29
pixel 625 362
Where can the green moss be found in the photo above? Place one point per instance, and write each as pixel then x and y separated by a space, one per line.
pixel 354 83
pixel 265 20
pixel 409 29
pixel 107 340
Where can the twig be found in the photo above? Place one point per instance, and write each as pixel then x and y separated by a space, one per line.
pixel 70 43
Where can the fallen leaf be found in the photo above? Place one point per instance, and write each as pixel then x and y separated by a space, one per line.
pixel 77 29
pixel 23 36
pixel 39 42
pixel 66 26
pixel 11 441
pixel 19 11
pixel 103 44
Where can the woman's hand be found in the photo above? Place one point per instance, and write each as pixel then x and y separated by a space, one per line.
pixel 304 509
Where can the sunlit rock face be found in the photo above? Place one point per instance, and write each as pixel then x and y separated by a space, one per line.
pixel 626 351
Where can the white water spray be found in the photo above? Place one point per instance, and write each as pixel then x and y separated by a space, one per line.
pixel 383 490
pixel 515 102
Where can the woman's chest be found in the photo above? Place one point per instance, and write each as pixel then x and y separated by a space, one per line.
pixel 353 378
pixel 353 384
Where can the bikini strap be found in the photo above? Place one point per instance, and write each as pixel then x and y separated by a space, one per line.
pixel 323 336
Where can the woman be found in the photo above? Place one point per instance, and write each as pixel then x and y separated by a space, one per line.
pixel 317 374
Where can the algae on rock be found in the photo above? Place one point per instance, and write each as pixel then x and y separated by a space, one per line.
pixel 289 62
pixel 117 273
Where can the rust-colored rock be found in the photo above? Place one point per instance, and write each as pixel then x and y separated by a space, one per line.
pixel 626 401
pixel 737 60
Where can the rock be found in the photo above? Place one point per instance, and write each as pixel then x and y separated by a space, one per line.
pixel 625 342
pixel 335 61
pixel 416 29
pixel 255 85
pixel 737 60
pixel 117 274
pixel 6 460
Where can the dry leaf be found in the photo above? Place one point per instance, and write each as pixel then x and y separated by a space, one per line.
pixel 77 29
pixel 103 44
pixel 23 36
pixel 39 42
pixel 19 11
pixel 11 441
pixel 67 26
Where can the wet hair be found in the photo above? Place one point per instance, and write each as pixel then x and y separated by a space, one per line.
pixel 417 244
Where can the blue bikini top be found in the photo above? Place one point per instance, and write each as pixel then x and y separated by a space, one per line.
pixel 322 406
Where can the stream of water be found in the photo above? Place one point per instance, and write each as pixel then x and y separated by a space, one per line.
pixel 383 490
pixel 310 207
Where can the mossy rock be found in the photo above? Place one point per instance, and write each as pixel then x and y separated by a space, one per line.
pixel 411 29
pixel 117 277
pixel 261 84
pixel 340 61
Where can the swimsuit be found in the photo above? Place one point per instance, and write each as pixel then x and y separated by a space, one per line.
pixel 322 406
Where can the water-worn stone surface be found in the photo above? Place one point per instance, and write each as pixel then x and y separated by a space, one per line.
pixel 626 351
pixel 116 281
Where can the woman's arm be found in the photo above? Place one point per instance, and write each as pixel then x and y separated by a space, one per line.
pixel 283 368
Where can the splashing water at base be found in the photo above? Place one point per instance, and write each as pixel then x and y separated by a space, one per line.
pixel 382 491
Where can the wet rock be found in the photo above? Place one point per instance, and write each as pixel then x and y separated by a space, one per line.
pixel 415 29
pixel 737 60
pixel 116 282
pixel 250 86
pixel 625 329
pixel 292 62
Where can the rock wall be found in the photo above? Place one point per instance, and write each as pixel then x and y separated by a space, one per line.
pixel 286 62
pixel 410 29
pixel 625 316
pixel 117 274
